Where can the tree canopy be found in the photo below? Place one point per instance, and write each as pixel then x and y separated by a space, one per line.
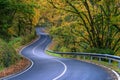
pixel 18 19
pixel 98 21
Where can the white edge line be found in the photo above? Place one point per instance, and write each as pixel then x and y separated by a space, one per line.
pixel 65 69
pixel 32 63
pixel 117 75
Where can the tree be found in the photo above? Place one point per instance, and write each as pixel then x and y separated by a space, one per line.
pixel 98 20
pixel 17 18
pixel 7 13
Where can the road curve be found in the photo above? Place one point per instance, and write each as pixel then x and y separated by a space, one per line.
pixel 46 67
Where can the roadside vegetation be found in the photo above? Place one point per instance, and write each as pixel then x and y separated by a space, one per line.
pixel 8 55
pixel 18 19
pixel 87 26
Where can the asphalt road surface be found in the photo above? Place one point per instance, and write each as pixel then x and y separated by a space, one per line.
pixel 45 67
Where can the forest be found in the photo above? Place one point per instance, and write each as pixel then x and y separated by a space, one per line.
pixel 17 27
pixel 74 25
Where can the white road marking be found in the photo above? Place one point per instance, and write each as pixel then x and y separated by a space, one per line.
pixel 65 69
pixel 38 46
pixel 118 76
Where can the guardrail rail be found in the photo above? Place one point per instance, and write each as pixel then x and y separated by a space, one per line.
pixel 110 58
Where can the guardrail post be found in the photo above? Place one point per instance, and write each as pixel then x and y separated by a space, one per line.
pixel 91 58
pixel 110 61
pixel 119 64
pixel 74 56
pixel 99 59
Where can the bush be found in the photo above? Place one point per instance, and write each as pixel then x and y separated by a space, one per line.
pixel 8 55
pixel 28 38
pixel 16 42
pixel 64 49
pixel 101 51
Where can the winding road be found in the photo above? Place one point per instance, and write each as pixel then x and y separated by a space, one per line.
pixel 45 67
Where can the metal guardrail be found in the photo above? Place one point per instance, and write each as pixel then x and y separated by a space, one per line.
pixel 110 58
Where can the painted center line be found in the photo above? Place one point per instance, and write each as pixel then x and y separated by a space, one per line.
pixel 38 46
pixel 65 69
